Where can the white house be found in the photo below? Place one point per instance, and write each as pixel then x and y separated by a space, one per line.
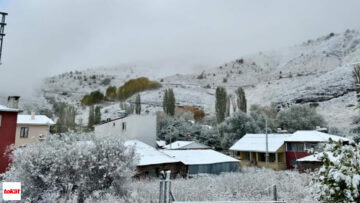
pixel 139 127
pixel 32 128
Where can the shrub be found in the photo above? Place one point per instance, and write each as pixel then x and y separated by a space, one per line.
pixel 111 92
pixel 71 164
pixel 93 98
pixel 134 86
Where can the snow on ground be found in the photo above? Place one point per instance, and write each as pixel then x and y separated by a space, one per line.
pixel 247 185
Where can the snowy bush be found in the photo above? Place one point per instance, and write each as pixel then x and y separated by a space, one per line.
pixel 338 180
pixel 170 128
pixel 64 166
pixel 235 127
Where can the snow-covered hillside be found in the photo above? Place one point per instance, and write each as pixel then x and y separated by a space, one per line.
pixel 317 71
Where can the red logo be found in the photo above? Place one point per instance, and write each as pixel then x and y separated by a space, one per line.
pixel 12 191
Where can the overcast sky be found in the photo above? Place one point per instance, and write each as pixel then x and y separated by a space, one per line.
pixel 49 37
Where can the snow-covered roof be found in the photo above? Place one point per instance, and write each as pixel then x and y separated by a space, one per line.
pixel 199 157
pixel 316 157
pixel 38 120
pixel 7 109
pixel 186 145
pixel 257 142
pixel 313 136
pixel 149 155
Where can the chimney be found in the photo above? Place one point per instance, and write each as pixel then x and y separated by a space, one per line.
pixel 13 102
pixel 32 115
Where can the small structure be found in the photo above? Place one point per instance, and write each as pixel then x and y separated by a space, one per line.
pixel 139 127
pixel 178 145
pixel 312 162
pixel 160 144
pixel 204 161
pixel 8 117
pixel 152 161
pixel 305 142
pixel 251 150
pixel 32 128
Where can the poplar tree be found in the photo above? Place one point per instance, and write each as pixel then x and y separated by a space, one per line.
pixel 138 104
pixel 241 99
pixel 91 117
pixel 97 115
pixel 220 104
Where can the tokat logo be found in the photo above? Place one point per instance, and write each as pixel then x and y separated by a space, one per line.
pixel 11 190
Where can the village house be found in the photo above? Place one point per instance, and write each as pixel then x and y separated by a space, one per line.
pixel 303 143
pixel 284 149
pixel 140 127
pixel 251 150
pixel 152 161
pixel 178 145
pixel 32 128
pixel 204 161
pixel 8 117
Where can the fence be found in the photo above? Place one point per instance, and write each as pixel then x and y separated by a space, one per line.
pixel 166 195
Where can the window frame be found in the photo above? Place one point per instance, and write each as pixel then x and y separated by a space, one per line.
pixel 24 132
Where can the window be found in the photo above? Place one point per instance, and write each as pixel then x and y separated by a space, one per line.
pixel 0 120
pixel 262 157
pixel 123 126
pixel 24 132
pixel 295 147
pixel 247 156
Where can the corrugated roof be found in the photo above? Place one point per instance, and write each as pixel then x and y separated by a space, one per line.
pixel 257 142
pixel 186 145
pixel 148 154
pixel 199 157
pixel 7 109
pixel 313 136
pixel 38 120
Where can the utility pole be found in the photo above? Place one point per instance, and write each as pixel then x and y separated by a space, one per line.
pixel 267 145
pixel 2 28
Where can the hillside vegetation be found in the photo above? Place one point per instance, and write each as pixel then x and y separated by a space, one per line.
pixel 134 86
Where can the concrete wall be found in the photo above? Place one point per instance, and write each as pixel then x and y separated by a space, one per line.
pixel 35 131
pixel 140 127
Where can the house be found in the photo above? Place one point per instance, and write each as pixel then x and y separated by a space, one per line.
pixel 178 145
pixel 302 143
pixel 8 117
pixel 32 128
pixel 152 161
pixel 204 161
pixel 251 150
pixel 139 127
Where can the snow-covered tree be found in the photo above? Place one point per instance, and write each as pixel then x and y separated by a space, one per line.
pixel 72 164
pixel 235 127
pixel 338 180
pixel 220 104
pixel 299 118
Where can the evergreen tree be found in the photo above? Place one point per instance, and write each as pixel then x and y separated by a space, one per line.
pixel 165 101
pixel 241 99
pixel 97 115
pixel 91 117
pixel 220 104
pixel 138 104
pixel 171 102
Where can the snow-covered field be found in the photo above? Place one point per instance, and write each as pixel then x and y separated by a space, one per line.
pixel 249 184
